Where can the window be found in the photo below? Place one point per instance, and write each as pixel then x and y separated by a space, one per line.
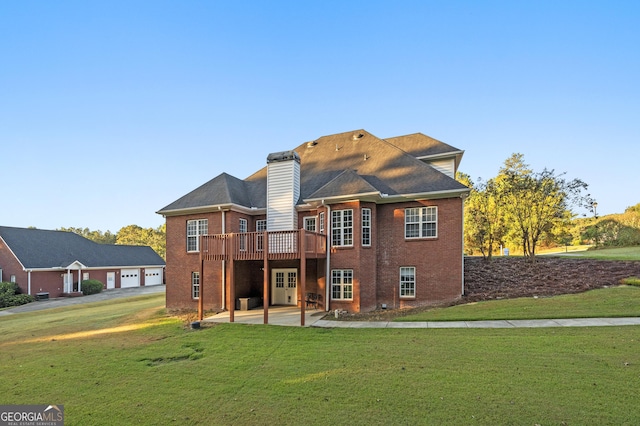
pixel 366 227
pixel 310 224
pixel 342 284
pixel 195 285
pixel 195 228
pixel 321 220
pixel 342 227
pixel 421 222
pixel 261 226
pixel 407 281
pixel 242 228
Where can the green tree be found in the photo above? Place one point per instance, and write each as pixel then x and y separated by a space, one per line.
pixel 536 203
pixel 484 218
pixel 135 235
pixel 96 236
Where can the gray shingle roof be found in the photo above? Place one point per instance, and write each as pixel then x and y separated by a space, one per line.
pixel 43 249
pixel 347 163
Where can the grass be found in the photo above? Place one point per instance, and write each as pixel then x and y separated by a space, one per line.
pixel 619 253
pixel 126 362
pixel 623 301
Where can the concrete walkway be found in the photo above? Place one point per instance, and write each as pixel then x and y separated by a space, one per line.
pixel 290 316
pixel 573 322
pixel 116 293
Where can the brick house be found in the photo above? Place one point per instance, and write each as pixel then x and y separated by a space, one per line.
pixel 54 262
pixel 347 221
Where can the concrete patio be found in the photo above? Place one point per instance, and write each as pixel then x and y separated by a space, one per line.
pixel 278 315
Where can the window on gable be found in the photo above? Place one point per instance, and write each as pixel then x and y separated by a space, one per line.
pixel 366 227
pixel 407 281
pixel 421 222
pixel 195 228
pixel 342 284
pixel 342 228
pixel 195 285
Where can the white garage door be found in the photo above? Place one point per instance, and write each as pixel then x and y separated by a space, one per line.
pixel 129 278
pixel 152 276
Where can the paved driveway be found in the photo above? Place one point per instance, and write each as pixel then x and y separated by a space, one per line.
pixel 116 293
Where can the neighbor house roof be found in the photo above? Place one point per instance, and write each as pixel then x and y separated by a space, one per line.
pixel 43 249
pixel 347 164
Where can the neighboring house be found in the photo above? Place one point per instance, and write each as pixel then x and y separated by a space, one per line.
pixel 53 262
pixel 390 211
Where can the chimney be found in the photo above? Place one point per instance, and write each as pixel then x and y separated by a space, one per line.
pixel 283 190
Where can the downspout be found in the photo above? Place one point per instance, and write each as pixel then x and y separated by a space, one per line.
pixel 462 226
pixel 224 263
pixel 327 280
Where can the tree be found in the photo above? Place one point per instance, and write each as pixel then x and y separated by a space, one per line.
pixel 96 236
pixel 484 222
pixel 137 236
pixel 537 202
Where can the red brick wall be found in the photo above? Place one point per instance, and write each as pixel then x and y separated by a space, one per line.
pixel 376 269
pixel 438 261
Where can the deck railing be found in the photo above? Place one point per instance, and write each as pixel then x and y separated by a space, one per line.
pixel 255 245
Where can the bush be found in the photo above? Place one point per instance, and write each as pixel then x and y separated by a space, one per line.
pixel 91 287
pixel 631 281
pixel 10 295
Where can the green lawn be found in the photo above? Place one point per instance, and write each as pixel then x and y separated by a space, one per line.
pixel 623 301
pixel 125 362
pixel 618 253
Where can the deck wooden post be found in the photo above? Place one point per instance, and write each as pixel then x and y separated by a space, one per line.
pixel 232 282
pixel 232 291
pixel 201 283
pixel 303 275
pixel 265 276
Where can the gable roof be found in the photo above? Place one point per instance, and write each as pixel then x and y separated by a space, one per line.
pixel 336 166
pixel 43 249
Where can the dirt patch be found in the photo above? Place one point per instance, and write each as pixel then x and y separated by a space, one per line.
pixel 511 277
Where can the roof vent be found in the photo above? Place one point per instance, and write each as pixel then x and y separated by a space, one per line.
pixel 312 144
pixel 357 136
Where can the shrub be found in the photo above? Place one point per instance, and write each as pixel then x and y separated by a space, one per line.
pixel 10 295
pixel 91 287
pixel 631 281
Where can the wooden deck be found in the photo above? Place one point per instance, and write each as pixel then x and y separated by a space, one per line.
pixel 275 245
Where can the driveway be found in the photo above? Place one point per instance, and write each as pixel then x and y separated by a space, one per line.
pixel 116 293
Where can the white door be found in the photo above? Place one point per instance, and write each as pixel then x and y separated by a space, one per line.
pixel 111 280
pixel 152 276
pixel 129 278
pixel 68 283
pixel 284 286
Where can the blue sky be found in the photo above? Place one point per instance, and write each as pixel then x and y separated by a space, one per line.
pixel 111 110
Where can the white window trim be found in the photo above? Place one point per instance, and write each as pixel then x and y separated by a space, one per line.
pixel 195 285
pixel 405 296
pixel 321 220
pixel 341 228
pixel 310 219
pixel 368 227
pixel 342 284
pixel 200 226
pixel 422 211
pixel 243 227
